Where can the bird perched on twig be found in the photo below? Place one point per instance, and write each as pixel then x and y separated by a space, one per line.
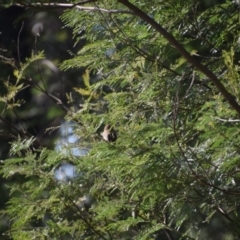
pixel 109 134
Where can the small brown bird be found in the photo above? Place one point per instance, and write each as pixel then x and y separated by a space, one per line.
pixel 109 134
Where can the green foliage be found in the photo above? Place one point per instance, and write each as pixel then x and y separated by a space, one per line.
pixel 174 169
pixel 12 89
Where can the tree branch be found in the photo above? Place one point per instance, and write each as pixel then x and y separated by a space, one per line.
pixel 184 53
pixel 70 5
pixel 227 120
pixel 223 213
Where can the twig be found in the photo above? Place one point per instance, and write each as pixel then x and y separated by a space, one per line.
pixel 222 212
pixel 18 42
pixel 70 5
pixel 6 59
pixel 191 84
pixel 227 120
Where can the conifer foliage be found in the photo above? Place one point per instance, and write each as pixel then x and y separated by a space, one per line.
pixel 162 77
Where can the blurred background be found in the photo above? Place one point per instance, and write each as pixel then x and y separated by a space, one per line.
pixel 22 32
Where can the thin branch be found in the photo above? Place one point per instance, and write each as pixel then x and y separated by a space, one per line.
pixel 70 5
pixel 168 234
pixel 227 120
pixel 18 42
pixel 191 84
pixel 6 59
pixel 223 213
